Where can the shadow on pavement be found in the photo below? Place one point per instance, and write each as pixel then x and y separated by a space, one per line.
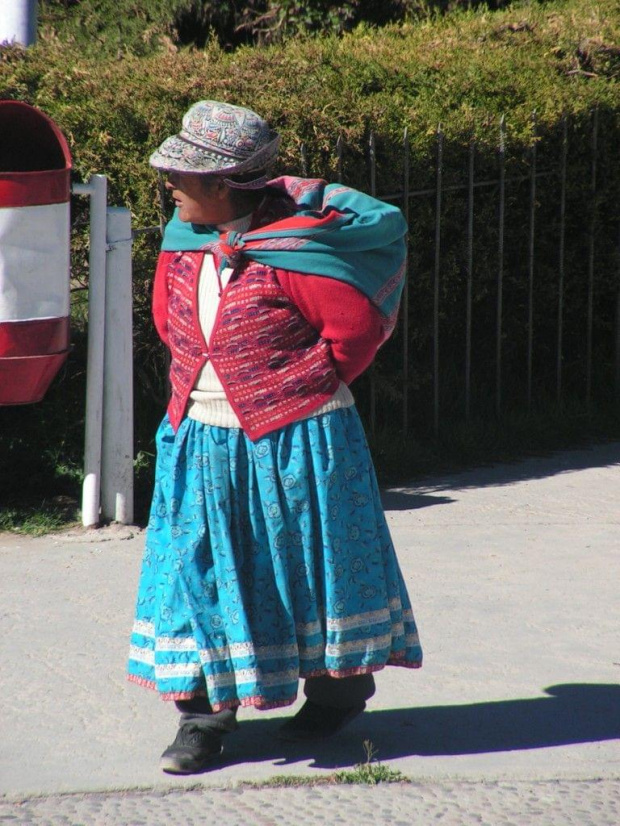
pixel 407 500
pixel 405 497
pixel 571 713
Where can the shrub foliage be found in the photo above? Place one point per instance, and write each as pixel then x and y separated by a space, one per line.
pixel 230 22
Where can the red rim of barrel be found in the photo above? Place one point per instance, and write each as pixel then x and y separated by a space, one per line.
pixel 39 186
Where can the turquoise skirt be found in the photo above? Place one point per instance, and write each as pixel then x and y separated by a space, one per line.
pixel 265 562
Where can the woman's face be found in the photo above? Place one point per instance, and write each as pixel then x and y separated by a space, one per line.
pixel 199 200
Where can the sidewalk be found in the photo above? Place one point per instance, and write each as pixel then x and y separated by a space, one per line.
pixel 513 571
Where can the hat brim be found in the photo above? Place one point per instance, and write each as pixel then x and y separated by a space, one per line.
pixel 178 155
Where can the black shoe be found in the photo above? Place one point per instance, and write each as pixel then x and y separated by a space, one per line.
pixel 193 749
pixel 314 722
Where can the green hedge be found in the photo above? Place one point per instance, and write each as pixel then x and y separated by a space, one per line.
pixel 463 70
pixel 145 23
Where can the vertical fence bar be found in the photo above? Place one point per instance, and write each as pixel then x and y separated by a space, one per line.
pixel 161 191
pixel 438 194
pixel 303 151
pixel 561 257
pixel 593 187
pixel 470 260
pixel 500 269
pixel 372 145
pixel 531 247
pixel 405 310
pixel 339 154
pixel 617 354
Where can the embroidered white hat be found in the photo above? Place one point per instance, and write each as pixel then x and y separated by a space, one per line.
pixel 218 138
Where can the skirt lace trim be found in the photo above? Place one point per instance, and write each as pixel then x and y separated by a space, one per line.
pixel 259 702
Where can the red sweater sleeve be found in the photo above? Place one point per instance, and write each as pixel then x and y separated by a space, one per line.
pixel 342 315
pixel 160 296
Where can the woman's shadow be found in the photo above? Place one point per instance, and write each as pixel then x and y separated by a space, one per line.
pixel 571 713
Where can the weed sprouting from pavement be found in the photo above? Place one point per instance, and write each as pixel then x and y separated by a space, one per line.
pixel 370 772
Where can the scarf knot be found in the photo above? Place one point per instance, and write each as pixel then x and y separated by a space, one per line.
pixel 231 250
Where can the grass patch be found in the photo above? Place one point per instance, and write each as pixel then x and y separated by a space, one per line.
pixel 39 517
pixel 370 772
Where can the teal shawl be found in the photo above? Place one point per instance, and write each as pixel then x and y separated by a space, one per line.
pixel 333 231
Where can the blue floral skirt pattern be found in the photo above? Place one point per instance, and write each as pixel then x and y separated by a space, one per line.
pixel 265 562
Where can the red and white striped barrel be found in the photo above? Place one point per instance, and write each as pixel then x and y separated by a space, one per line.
pixel 35 167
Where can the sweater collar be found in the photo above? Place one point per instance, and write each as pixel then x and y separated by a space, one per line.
pixel 238 225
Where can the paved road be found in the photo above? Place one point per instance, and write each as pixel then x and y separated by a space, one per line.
pixel 515 717
pixel 556 803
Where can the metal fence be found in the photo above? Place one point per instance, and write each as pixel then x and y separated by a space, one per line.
pixel 533 188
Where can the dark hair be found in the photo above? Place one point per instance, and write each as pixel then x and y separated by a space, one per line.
pixel 243 201
pixel 246 200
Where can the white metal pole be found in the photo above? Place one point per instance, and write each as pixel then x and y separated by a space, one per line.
pixel 117 442
pixel 91 489
pixel 18 21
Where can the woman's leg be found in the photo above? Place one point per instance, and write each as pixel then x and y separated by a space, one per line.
pixel 198 711
pixel 340 692
pixel 331 705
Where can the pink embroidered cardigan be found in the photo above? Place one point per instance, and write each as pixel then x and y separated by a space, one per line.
pixel 280 345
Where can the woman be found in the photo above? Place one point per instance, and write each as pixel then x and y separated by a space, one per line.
pixel 267 557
